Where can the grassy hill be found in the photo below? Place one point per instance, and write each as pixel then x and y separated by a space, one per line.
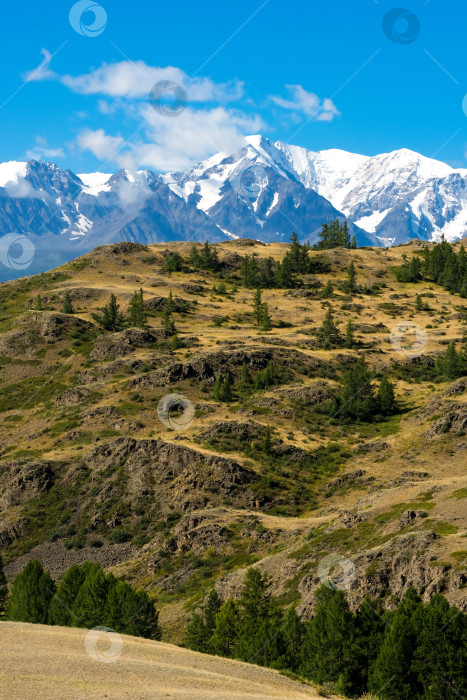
pixel 53 662
pixel 271 476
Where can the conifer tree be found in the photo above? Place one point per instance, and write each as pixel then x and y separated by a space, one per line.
pixel 393 673
pixel 168 322
pixel 440 657
pixel 249 270
pixel 194 257
pixel 386 397
pixel 351 283
pixel 3 587
pixel 38 303
pixel 370 628
pixel 357 399
pixel 328 290
pixel 31 593
pixel 224 638
pixel 110 317
pixel 266 321
pixel 284 273
pixel 87 610
pixel 131 612
pixel 216 392
pixel 293 634
pixel 452 364
pixel 259 628
pixel 60 610
pixel 327 648
pixel 349 336
pixel 245 380
pixel 173 262
pixel 257 305
pixel 67 307
pixel 136 311
pixel 202 625
pixel 226 388
pixel 353 242
pixel 328 334
pixel 418 303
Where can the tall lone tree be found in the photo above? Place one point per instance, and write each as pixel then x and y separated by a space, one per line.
pixel 328 334
pixel 136 311
pixel 67 307
pixel 351 282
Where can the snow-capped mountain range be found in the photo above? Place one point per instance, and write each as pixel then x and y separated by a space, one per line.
pixel 266 190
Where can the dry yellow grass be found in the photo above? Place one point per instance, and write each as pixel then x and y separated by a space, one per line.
pixel 52 663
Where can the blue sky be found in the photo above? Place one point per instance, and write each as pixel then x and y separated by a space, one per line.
pixel 319 75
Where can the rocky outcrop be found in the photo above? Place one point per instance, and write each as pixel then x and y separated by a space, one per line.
pixel 22 482
pixel 178 305
pixel 207 366
pixel 394 566
pixel 457 387
pixel 73 397
pixel 453 419
pixel 312 394
pixel 123 343
pixel 177 476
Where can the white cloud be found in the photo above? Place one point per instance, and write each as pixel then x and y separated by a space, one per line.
pixel 42 151
pixel 205 125
pixel 42 72
pixel 308 103
pixel 134 79
pixel 100 144
pixel 173 143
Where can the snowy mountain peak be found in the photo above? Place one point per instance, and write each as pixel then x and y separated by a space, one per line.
pixel 263 190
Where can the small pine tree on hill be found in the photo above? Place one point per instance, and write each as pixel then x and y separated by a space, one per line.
pixel 67 307
pixel 328 334
pixel 136 310
pixel 110 317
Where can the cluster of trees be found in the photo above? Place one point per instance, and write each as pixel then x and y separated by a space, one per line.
pixel 441 264
pixel 112 319
pixel 204 259
pixel 415 651
pixel 334 235
pixel 269 273
pixel 224 385
pixel 85 597
pixel 452 364
pixel 359 398
pixel 329 336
